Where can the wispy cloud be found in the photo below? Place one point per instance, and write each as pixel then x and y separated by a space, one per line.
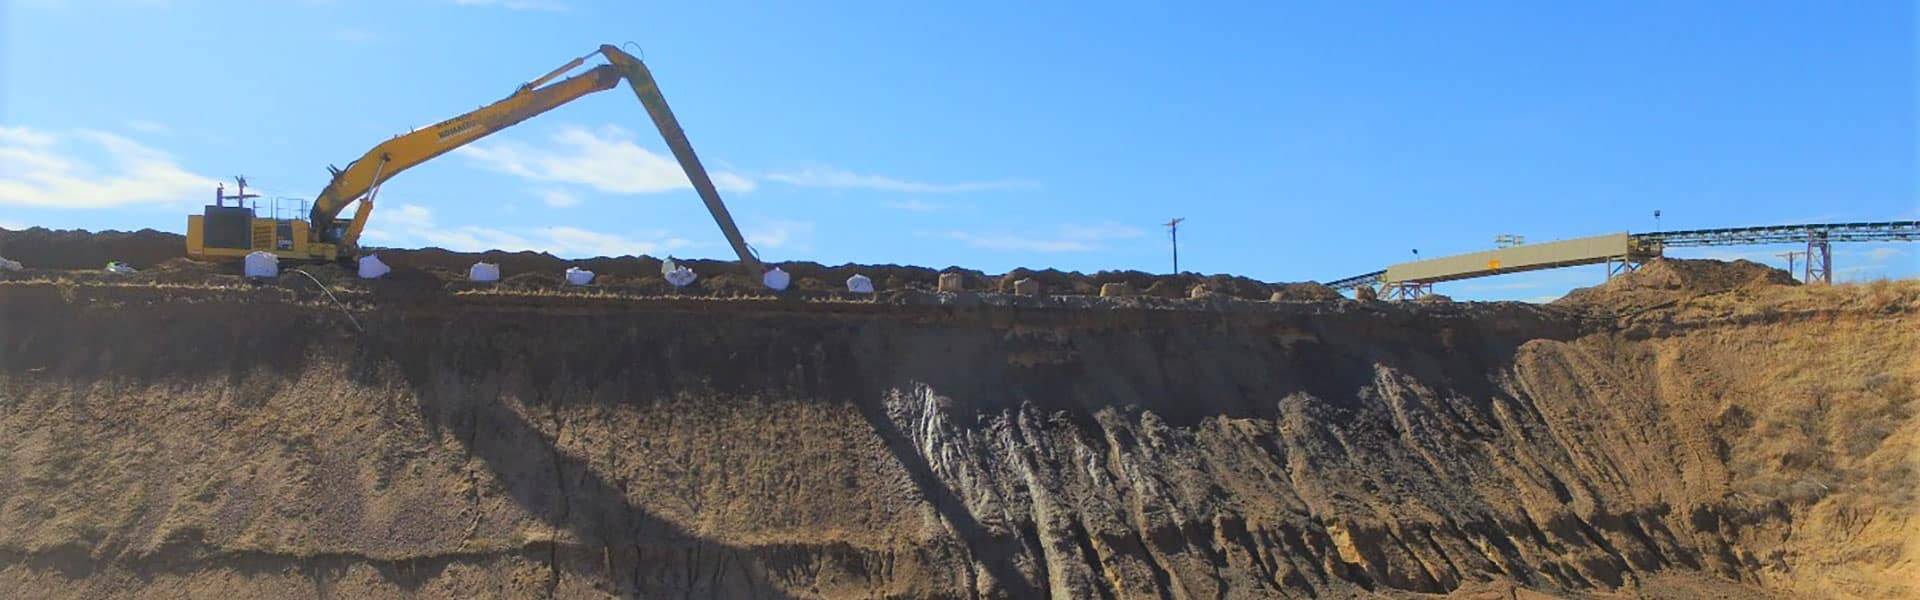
pixel 1883 253
pixel 534 5
pixel 420 227
pixel 558 198
pixel 606 160
pixel 1068 238
pixel 842 179
pixel 777 233
pixel 43 169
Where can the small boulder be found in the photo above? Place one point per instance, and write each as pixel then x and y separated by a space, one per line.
pixel 1026 287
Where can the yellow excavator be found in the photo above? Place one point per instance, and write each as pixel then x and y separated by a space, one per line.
pixel 224 231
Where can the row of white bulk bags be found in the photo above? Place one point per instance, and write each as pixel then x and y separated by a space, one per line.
pixel 266 265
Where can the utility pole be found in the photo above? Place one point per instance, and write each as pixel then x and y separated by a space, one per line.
pixel 1173 232
pixel 1790 256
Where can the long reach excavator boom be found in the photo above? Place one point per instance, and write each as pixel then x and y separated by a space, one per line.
pixel 233 231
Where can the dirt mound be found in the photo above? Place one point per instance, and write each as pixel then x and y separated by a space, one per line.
pixel 1664 280
pixel 1305 292
pixel 43 248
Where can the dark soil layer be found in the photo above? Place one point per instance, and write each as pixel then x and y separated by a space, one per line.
pixel 40 248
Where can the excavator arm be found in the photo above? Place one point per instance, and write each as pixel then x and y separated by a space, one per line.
pixel 361 179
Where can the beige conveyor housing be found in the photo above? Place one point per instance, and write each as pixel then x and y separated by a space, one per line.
pixel 1532 257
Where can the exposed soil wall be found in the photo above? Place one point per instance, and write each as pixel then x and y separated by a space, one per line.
pixel 215 440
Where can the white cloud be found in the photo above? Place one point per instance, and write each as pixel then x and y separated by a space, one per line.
pixel 51 170
pixel 407 216
pixel 534 5
pixel 1069 238
pixel 558 198
pixel 606 160
pixel 418 223
pixel 401 217
pixel 838 178
pixel 1882 253
pixel 779 234
pixel 12 225
pixel 21 136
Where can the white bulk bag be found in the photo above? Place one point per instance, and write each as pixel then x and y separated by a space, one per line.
pixel 579 276
pixel 262 265
pixel 859 284
pixel 776 279
pixel 483 271
pixel 372 268
pixel 681 276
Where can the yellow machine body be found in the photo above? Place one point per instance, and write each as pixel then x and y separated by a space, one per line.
pixel 231 231
pixel 287 238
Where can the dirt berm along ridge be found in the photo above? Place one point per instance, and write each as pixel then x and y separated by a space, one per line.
pixel 1739 439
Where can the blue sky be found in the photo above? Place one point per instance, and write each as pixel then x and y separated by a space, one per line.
pixel 1299 142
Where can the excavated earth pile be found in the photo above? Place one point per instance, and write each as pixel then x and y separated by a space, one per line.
pixel 164 256
pixel 1718 437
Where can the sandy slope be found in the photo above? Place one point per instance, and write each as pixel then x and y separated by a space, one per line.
pixel 1692 432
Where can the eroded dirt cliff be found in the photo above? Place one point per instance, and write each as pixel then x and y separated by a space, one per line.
pixel 1663 440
